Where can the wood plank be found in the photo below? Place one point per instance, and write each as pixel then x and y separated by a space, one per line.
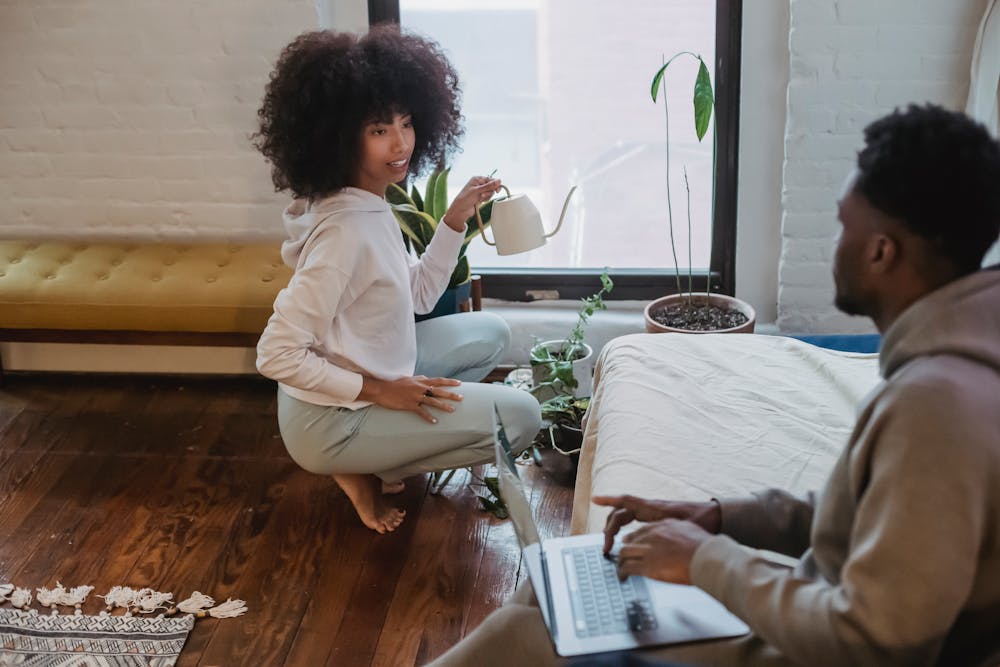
pixel 294 547
pixel 371 596
pixel 131 508
pixel 118 531
pixel 85 484
pixel 31 510
pixel 427 610
pixel 337 570
pixel 497 575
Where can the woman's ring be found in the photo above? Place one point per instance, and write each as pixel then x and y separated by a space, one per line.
pixel 428 393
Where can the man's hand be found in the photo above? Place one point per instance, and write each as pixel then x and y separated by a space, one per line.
pixel 627 509
pixel 414 394
pixel 661 550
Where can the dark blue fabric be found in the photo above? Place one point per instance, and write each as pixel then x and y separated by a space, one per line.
pixel 844 342
pixel 449 302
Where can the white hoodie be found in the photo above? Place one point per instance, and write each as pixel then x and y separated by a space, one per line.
pixel 348 310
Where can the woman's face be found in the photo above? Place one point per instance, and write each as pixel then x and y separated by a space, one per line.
pixel 386 146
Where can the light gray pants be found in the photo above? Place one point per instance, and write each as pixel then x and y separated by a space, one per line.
pixel 394 444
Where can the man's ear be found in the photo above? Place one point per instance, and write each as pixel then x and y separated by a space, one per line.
pixel 883 252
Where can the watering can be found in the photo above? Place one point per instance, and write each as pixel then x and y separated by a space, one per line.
pixel 517 224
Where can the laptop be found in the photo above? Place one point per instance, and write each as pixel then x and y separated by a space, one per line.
pixel 585 607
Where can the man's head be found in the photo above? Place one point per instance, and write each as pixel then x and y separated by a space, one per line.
pixel 921 210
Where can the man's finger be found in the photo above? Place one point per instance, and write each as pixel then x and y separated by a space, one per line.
pixel 626 501
pixel 633 551
pixel 614 523
pixel 629 566
pixel 637 535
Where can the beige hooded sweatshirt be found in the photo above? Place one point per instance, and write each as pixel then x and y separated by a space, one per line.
pixel 900 554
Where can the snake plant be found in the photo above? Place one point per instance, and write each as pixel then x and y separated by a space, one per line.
pixel 419 216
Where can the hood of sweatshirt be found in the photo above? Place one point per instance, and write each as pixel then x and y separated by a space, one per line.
pixel 961 318
pixel 302 218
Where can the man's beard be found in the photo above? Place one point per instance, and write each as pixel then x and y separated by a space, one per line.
pixel 846 301
pixel 847 305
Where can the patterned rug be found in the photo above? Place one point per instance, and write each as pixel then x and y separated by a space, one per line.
pixel 135 638
pixel 31 639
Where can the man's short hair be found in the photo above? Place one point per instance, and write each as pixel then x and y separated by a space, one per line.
pixel 938 171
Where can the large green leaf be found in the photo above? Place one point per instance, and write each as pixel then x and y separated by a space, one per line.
pixel 704 100
pixel 406 207
pixel 415 196
pixel 428 206
pixel 654 87
pixel 417 225
pixel 462 273
pixel 440 200
pixel 397 196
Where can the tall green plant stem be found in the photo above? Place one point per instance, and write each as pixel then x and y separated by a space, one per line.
pixel 687 189
pixel 704 101
pixel 670 208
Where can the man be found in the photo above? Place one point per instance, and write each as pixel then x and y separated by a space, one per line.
pixel 899 556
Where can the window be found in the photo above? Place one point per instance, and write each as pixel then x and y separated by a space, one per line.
pixel 555 94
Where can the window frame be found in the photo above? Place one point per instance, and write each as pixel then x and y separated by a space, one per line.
pixel 527 284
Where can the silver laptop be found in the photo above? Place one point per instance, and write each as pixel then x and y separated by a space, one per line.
pixel 585 606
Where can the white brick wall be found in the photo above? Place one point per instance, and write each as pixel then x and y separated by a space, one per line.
pixel 132 118
pixel 852 61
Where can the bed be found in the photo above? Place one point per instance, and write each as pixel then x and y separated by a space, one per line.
pixel 695 416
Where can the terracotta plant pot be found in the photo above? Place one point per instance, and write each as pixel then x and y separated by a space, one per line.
pixel 721 300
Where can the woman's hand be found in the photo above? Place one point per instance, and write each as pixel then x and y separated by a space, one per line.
pixel 414 394
pixel 707 515
pixel 478 190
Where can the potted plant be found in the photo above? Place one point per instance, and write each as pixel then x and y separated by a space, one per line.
pixel 561 372
pixel 418 217
pixel 565 366
pixel 686 311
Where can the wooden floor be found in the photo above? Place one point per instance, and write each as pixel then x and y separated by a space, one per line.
pixel 183 484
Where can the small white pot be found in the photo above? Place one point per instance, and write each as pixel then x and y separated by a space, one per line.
pixel 583 368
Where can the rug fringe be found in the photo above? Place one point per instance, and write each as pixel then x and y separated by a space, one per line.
pixel 228 609
pixel 194 604
pixel 59 596
pixel 137 601
pixel 17 597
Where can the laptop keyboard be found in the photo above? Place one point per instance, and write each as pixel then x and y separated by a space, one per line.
pixel 603 605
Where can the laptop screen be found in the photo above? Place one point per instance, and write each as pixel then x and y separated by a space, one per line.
pixel 511 489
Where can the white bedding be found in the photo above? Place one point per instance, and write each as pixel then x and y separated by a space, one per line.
pixel 695 416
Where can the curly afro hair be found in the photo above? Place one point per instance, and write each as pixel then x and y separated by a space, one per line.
pixel 327 85
pixel 937 171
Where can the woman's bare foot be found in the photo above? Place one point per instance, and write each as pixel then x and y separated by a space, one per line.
pixel 365 494
pixel 392 488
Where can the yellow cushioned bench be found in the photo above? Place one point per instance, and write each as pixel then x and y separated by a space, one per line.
pixel 138 293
